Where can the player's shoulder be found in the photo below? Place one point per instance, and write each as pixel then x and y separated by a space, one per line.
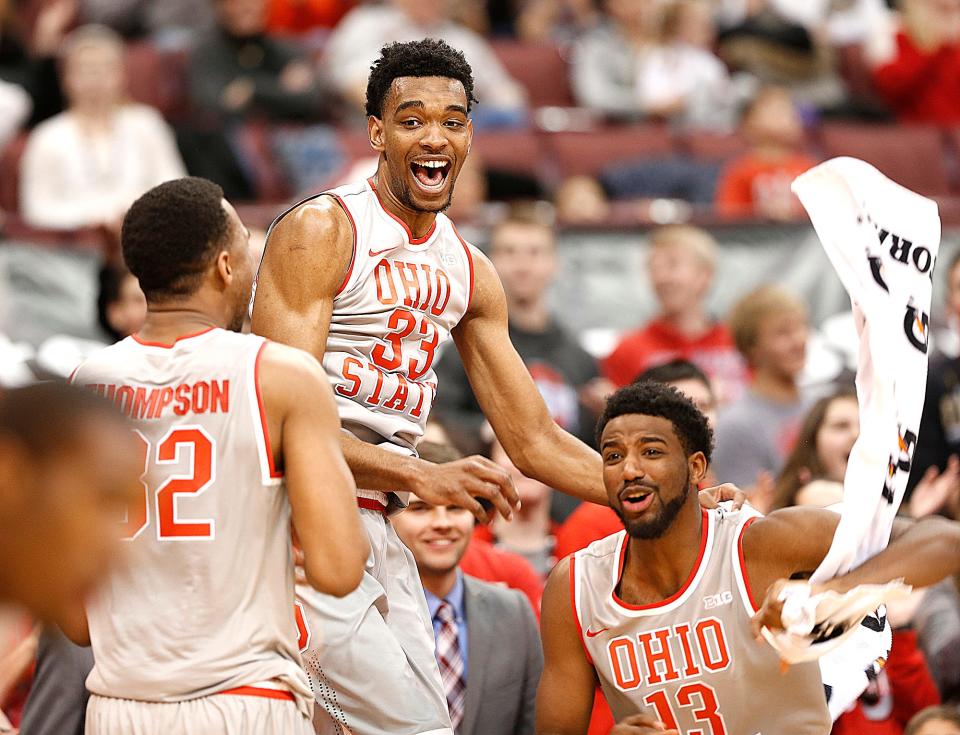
pixel 284 362
pixel 324 215
pixel 601 551
pixel 111 356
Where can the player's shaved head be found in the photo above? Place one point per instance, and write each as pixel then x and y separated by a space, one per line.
pixel 171 235
pixel 69 465
pixel 47 418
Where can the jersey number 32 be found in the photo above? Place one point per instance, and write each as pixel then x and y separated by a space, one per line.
pixel 165 454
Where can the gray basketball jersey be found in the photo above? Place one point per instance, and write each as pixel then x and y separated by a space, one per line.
pixel 206 602
pixel 691 659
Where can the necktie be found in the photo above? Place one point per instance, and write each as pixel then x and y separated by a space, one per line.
pixel 450 659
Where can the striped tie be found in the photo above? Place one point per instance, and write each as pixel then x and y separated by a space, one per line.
pixel 451 663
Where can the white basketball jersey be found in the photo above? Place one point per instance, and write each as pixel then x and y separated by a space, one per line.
pixel 397 305
pixel 691 659
pixel 206 602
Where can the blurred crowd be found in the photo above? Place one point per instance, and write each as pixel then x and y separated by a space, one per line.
pixel 591 113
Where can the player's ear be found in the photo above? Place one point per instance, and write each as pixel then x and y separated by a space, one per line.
pixel 375 131
pixel 469 134
pixel 697 464
pixel 224 267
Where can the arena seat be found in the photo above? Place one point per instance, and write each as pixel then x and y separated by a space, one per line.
pixel 713 146
pixel 913 156
pixel 588 153
pixel 540 69
pixel 158 78
pixel 512 151
pixel 10 173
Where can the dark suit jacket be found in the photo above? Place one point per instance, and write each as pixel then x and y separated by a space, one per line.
pixel 505 661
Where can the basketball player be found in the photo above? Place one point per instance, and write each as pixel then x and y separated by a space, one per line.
pixel 372 278
pixel 664 614
pixel 236 436
pixel 67 471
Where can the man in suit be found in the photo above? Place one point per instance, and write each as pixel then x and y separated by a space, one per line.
pixel 488 647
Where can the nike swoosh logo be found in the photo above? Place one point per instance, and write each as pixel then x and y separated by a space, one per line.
pixel 375 253
pixel 595 633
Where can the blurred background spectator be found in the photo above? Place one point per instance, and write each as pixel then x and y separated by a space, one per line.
pixel 756 432
pixel 85 166
pixel 681 266
pixel 356 43
pixel 935 721
pixel 170 22
pixel 757 183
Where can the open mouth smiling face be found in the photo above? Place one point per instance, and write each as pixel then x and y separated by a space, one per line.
pixel 430 174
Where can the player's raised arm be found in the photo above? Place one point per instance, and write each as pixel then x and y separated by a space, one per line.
pixel 305 260
pixel 511 402
pixel 305 439
pixel 568 683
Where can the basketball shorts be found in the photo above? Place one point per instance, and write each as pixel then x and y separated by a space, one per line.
pixel 370 655
pixel 218 714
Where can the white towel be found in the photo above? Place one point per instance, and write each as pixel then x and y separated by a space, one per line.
pixel 882 239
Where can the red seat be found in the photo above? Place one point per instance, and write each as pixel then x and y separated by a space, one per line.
pixel 714 146
pixel 158 78
pixel 589 153
pixel 513 151
pixel 10 173
pixel 540 69
pixel 910 155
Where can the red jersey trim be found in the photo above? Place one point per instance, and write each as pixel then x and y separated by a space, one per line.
pixel 260 692
pixel 371 504
pixel 263 413
pixel 743 566
pixel 704 533
pixel 171 346
pixel 410 238
pixel 353 253
pixel 466 249
pixel 573 605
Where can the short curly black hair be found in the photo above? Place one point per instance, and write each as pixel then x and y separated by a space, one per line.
pixel 651 398
pixel 428 57
pixel 170 234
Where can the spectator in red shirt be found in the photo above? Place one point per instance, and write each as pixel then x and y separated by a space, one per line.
pixel 920 78
pixel 298 16
pixel 757 184
pixel 681 267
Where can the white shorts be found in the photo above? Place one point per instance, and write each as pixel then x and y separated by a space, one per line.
pixel 218 714
pixel 370 655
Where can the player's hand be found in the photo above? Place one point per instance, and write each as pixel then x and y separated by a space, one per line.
pixel 465 483
pixel 768 616
pixel 643 724
pixel 711 497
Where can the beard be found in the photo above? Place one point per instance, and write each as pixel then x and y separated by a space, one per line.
pixel 655 527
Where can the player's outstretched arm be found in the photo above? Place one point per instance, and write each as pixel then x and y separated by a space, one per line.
pixel 511 402
pixel 305 437
pixel 796 540
pixel 565 695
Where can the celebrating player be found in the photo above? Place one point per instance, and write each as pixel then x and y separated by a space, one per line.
pixel 372 278
pixel 663 614
pixel 237 435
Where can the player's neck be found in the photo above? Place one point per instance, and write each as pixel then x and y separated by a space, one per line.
pixel 691 323
pixel 439 584
pixel 776 386
pixel 165 324
pixel 657 568
pixel 419 223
